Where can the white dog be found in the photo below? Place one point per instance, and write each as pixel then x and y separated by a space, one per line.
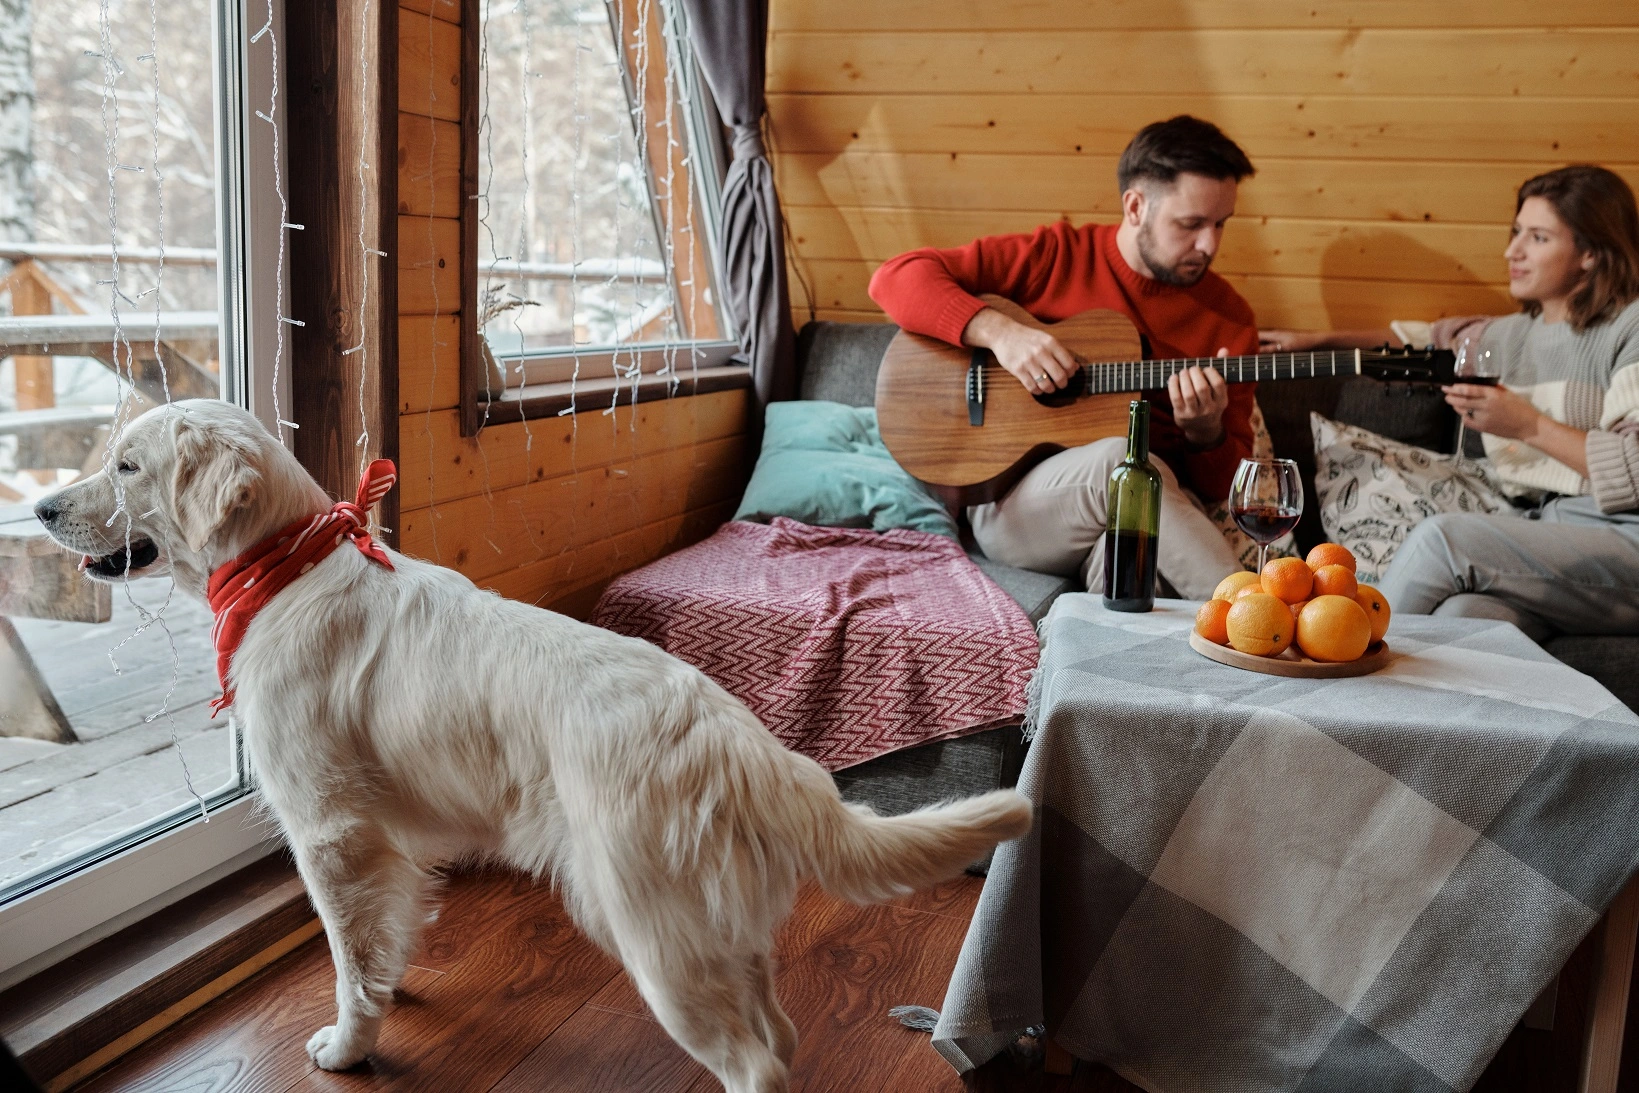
pixel 398 717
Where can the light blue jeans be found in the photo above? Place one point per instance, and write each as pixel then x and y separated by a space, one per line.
pixel 1564 568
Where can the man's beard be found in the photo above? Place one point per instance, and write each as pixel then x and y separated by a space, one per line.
pixel 1167 275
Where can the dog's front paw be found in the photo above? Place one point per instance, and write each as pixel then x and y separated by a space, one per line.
pixel 329 1053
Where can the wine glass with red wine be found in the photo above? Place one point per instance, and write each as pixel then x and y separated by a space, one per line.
pixel 1266 501
pixel 1475 364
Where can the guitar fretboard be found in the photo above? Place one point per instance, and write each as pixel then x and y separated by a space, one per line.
pixel 1108 377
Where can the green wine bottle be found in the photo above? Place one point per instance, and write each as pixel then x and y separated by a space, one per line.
pixel 1134 524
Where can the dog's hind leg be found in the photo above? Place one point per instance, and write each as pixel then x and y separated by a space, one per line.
pixel 778 1031
pixel 712 1009
pixel 373 902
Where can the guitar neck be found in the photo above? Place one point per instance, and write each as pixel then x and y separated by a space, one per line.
pixel 1109 377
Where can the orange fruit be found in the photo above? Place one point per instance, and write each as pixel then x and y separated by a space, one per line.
pixel 1233 583
pixel 1288 578
pixel 1335 580
pixel 1251 588
pixel 1209 621
pixel 1297 608
pixel 1333 628
pixel 1331 554
pixel 1377 609
pixel 1259 624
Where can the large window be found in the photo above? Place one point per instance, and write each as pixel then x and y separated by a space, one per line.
pixel 135 187
pixel 598 181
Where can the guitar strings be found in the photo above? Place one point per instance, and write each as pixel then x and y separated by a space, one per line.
pixel 1116 376
pixel 1314 361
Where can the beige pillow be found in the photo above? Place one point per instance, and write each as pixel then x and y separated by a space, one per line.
pixel 1372 490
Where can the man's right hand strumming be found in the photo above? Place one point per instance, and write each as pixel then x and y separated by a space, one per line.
pixel 1037 359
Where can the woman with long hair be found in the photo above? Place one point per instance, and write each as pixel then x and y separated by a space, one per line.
pixel 1561 429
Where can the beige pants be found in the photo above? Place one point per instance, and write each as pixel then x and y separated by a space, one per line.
pixel 1053 522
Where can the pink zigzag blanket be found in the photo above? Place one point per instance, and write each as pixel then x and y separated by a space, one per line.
pixel 847 643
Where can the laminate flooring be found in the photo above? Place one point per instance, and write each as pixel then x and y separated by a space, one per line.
pixel 506 996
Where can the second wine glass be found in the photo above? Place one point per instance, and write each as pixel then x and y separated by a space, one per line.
pixel 1266 501
pixel 1475 364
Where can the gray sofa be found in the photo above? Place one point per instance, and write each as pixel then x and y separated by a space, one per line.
pixel 838 362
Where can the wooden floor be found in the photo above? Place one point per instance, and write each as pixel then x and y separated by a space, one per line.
pixel 507 996
pixel 58 799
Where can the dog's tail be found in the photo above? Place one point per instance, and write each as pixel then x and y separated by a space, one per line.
pixel 863 857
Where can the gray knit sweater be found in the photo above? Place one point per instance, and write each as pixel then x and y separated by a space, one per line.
pixel 1588 381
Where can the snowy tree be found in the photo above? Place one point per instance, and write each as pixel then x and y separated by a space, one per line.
pixel 16 121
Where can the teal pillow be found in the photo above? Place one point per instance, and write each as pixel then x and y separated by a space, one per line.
pixel 824 464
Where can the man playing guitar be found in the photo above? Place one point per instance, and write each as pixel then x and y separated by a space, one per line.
pixel 1178 182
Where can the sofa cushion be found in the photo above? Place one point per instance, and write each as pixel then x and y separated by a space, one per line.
pixel 824 464
pixel 913 778
pixel 1608 658
pixel 1371 491
pixel 838 362
pixel 1035 592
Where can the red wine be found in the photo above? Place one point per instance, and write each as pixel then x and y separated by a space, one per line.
pixel 1265 523
pixel 1129 570
pixel 1479 381
pixel 1134 520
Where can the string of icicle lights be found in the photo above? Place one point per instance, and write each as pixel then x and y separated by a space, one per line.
pixel 123 353
pixel 611 195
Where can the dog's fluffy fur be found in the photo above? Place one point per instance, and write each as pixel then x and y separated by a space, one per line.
pixel 397 719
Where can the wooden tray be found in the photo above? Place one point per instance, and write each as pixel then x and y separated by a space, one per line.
pixel 1292 662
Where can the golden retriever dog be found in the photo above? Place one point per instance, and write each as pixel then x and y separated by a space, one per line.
pixel 397 718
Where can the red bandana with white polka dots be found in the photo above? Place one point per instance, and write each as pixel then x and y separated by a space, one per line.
pixel 242 587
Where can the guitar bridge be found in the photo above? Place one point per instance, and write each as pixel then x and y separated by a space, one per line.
pixel 976 388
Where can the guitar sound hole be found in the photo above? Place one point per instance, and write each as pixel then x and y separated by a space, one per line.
pixel 1057 398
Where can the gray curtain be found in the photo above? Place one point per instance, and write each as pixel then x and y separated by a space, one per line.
pixel 730 39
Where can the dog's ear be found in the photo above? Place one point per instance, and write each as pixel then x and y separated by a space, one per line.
pixel 214 476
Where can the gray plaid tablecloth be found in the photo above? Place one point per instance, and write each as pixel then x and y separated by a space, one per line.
pixel 1240 881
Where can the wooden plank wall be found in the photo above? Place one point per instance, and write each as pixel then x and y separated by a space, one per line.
pixel 549 511
pixel 342 89
pixel 1389 135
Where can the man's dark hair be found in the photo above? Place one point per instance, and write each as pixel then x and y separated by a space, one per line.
pixel 1164 150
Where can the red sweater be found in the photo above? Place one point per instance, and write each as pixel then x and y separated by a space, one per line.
pixel 1059 271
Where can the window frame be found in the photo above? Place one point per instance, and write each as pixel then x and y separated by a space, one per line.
pixel 529 385
pixel 84 898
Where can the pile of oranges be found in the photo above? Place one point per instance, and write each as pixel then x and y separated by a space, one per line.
pixel 1314 602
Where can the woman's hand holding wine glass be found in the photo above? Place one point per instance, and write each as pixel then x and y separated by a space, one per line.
pixel 1477 377
pixel 1485 405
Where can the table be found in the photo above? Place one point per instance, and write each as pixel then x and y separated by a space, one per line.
pixel 1243 881
pixel 160 371
pixel 38 579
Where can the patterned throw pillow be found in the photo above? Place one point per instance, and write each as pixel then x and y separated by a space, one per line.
pixel 1372 491
pixel 1242 544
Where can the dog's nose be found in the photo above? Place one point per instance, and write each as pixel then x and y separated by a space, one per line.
pixel 47 510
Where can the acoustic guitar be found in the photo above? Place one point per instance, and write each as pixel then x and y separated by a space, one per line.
pixel 957 420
